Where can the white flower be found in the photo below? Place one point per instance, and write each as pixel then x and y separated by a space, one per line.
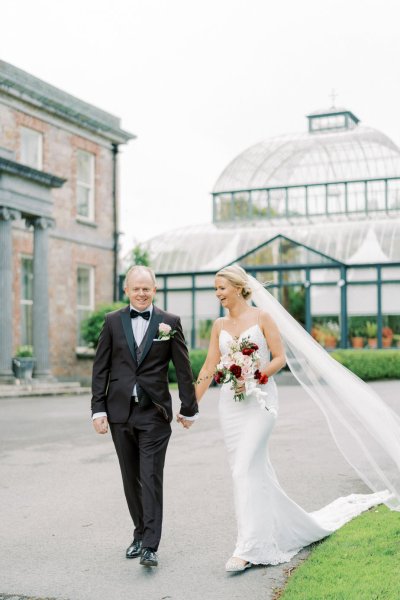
pixel 164 328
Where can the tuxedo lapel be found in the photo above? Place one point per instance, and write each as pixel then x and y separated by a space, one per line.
pixel 127 325
pixel 151 333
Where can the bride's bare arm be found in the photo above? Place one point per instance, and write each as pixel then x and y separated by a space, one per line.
pixel 213 355
pixel 275 344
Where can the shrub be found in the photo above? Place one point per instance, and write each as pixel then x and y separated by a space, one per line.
pixel 91 327
pixel 197 358
pixel 24 351
pixel 370 364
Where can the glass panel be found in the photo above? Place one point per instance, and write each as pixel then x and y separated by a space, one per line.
pixel 391 273
pixel 241 205
pixel 356 197
pixel 394 194
pixel 83 200
pixel 361 274
pixel 324 275
pixel 85 184
pixel 223 207
pixel 362 300
pixel 325 300
pixel 26 301
pixel 326 331
pixel 391 298
pixel 205 281
pixel 297 201
pixel 277 205
pixel 376 195
pixel 83 286
pixel 179 282
pixel 316 200
pixel 31 148
pixel 85 298
pixel 293 299
pixel 207 310
pixel 336 199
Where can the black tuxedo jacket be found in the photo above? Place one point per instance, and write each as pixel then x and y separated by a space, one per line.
pixel 119 365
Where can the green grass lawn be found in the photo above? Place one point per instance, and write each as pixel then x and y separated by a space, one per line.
pixel 361 561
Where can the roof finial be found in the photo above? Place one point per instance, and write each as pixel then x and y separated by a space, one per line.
pixel 333 97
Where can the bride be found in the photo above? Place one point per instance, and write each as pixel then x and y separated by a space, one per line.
pixel 272 528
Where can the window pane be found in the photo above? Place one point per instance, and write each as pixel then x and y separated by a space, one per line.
pixel 83 286
pixel 85 184
pixel 26 300
pixel 31 148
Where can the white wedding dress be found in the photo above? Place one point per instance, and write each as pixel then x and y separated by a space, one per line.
pixel 271 527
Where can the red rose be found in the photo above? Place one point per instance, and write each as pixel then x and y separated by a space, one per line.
pixel 219 377
pixel 248 351
pixel 257 374
pixel 236 370
pixel 263 379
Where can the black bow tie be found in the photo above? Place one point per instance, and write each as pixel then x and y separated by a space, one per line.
pixel 145 315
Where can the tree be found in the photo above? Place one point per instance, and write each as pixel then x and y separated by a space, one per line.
pixel 139 256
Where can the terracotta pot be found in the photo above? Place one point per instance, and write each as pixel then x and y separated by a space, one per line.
pixel 373 342
pixel 330 342
pixel 387 341
pixel 357 342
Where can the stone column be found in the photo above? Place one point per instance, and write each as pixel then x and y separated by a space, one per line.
pixel 41 227
pixel 7 215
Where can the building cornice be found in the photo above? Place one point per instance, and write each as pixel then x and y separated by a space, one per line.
pixel 45 179
pixel 21 85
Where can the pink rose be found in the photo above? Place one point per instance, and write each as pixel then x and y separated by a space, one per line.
pixel 164 328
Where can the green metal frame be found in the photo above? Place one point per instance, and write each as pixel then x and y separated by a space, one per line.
pixel 254 212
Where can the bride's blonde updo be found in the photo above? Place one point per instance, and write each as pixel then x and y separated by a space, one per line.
pixel 238 278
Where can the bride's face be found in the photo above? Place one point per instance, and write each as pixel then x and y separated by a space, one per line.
pixel 226 293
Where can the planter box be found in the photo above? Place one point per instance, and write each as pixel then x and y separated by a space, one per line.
pixel 23 367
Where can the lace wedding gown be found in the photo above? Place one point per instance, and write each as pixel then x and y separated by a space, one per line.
pixel 271 527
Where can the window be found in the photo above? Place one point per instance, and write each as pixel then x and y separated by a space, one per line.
pixel 85 298
pixel 26 300
pixel 31 148
pixel 85 185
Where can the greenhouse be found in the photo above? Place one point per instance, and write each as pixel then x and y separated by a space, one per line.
pixel 316 216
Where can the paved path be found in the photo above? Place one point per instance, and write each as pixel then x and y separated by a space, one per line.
pixel 64 524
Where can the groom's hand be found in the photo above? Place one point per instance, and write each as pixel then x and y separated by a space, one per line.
pixel 186 423
pixel 100 424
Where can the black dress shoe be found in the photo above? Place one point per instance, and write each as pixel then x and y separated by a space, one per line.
pixel 148 558
pixel 134 550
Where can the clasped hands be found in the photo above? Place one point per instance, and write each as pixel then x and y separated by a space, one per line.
pixel 186 423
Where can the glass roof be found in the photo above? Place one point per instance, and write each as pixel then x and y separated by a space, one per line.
pixel 355 153
pixel 208 247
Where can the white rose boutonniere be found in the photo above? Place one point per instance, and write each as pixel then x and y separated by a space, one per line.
pixel 165 332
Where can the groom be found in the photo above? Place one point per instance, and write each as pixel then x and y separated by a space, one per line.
pixel 130 392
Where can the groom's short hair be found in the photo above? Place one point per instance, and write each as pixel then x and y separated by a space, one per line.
pixel 137 268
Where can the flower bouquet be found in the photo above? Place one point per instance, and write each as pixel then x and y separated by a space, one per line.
pixel 241 367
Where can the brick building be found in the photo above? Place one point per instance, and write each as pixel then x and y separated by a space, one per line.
pixel 58 221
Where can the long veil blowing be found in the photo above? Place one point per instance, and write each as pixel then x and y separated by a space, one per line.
pixel 365 429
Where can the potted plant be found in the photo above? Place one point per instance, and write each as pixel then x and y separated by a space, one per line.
pixel 371 329
pixel 396 339
pixel 331 334
pixel 387 337
pixel 357 336
pixel 23 362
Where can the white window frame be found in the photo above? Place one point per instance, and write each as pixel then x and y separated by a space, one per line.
pixel 84 308
pixel 39 136
pixel 87 187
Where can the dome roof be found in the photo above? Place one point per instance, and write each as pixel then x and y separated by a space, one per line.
pixel 319 156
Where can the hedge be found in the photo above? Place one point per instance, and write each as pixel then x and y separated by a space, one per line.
pixel 370 364
pixel 92 325
pixel 197 358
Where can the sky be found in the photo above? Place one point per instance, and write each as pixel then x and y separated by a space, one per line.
pixel 198 82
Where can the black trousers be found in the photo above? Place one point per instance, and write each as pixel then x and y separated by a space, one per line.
pixel 141 444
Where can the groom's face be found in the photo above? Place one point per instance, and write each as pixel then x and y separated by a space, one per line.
pixel 140 290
